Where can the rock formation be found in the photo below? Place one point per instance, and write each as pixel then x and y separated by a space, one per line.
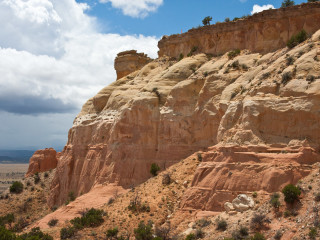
pixel 129 61
pixel 263 32
pixel 170 109
pixel 42 161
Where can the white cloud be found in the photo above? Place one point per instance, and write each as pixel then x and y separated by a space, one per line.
pixel 53 58
pixel 257 8
pixel 135 8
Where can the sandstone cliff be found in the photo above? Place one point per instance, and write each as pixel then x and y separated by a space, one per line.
pixel 129 61
pixel 263 32
pixel 42 161
pixel 168 110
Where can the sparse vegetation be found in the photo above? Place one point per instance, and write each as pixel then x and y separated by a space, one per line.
pixel 112 233
pixel 313 233
pixel 181 56
pixel 278 235
pixel 259 220
pixel 206 21
pixel 53 222
pixel 16 187
pixel 287 3
pixel 154 169
pixel 222 225
pixel 286 77
pixel 297 39
pixel 234 53
pixel 291 193
pixel 67 232
pixel 192 51
pixel 71 196
pixel 91 218
pixel 274 201
pixel 144 231
pixel 258 236
pixel 36 178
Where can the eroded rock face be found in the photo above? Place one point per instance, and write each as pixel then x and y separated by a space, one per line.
pixel 129 61
pixel 263 32
pixel 227 171
pixel 168 110
pixel 42 161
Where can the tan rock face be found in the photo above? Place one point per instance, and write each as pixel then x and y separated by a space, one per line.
pixel 263 32
pixel 227 171
pixel 129 61
pixel 168 110
pixel 42 161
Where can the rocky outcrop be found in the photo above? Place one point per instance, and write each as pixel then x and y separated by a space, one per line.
pixel 42 161
pixel 228 171
pixel 241 203
pixel 129 61
pixel 168 110
pixel 263 32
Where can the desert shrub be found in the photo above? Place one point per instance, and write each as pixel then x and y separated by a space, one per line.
pixel 199 156
pixel 259 220
pixel 16 187
pixel 110 201
pixel 7 219
pixel 71 196
pixel 192 51
pixel 291 193
pixel 221 225
pixel 289 60
pixel 166 179
pixel 234 53
pixel 287 3
pixel 46 174
pixel 286 77
pixel 181 56
pixel 112 233
pixel 310 78
pixel 156 91
pixel 244 231
pixel 35 234
pixel 163 232
pixel 67 232
pixel 36 178
pixel 154 169
pixel 297 39
pixel 190 236
pixel 20 224
pixel 278 235
pixel 235 64
pixel 53 222
pixel 6 234
pixel 317 197
pixel 143 231
pixel 274 200
pixel 254 194
pixel 312 233
pixel 206 21
pixel 258 236
pixel 91 218
pixel 203 222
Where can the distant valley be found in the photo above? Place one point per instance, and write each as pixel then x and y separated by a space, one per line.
pixel 15 156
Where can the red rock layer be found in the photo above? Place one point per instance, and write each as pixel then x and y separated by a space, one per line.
pixel 263 32
pixel 226 172
pixel 42 161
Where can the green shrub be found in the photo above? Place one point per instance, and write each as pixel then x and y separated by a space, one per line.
pixel 112 233
pixel 297 39
pixel 244 231
pixel 254 194
pixel 46 175
pixel 16 187
pixel 7 219
pixel 143 231
pixel 154 169
pixel 278 235
pixel 287 3
pixel 274 201
pixel 181 56
pixel 6 234
pixel 258 236
pixel 190 236
pixel 234 53
pixel 71 196
pixel 53 222
pixel 35 234
pixel 206 21
pixel 313 233
pixel 258 220
pixel 67 232
pixel 291 193
pixel 36 178
pixel 286 77
pixel 91 218
pixel 222 225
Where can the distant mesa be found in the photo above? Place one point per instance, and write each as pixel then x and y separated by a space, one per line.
pixel 42 161
pixel 129 61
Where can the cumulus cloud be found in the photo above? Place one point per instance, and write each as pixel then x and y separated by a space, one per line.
pixel 52 57
pixel 135 8
pixel 257 8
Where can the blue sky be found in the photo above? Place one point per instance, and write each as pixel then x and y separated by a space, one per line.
pixel 56 54
pixel 172 16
